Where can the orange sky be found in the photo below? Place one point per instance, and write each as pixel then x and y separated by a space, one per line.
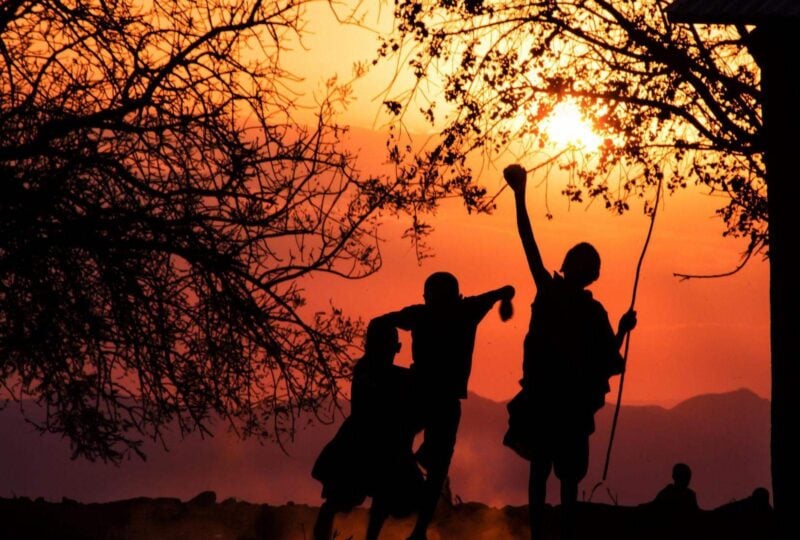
pixel 693 337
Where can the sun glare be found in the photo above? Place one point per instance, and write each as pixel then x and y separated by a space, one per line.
pixel 566 127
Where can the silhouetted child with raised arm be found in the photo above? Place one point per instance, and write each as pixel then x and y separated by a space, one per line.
pixel 677 496
pixel 570 352
pixel 372 453
pixel 442 341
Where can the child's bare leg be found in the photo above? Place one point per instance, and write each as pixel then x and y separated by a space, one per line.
pixel 430 498
pixel 324 525
pixel 537 494
pixel 569 499
pixel 377 516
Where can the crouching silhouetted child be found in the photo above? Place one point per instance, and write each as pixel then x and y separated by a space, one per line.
pixel 677 496
pixel 372 453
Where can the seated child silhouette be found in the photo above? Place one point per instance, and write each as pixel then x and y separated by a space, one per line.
pixel 758 501
pixel 372 453
pixel 677 496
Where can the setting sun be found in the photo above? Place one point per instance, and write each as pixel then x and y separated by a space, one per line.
pixel 566 126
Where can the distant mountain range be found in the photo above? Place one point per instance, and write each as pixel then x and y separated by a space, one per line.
pixel 723 437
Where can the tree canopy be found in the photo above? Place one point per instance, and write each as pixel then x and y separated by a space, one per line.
pixel 164 188
pixel 672 101
pixel 163 193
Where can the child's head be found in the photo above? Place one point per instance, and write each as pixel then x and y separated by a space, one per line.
pixel 761 496
pixel 681 475
pixel 581 264
pixel 441 289
pixel 382 341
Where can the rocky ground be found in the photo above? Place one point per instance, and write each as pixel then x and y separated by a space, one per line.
pixel 203 517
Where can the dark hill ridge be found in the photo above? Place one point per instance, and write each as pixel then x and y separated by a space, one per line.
pixel 723 437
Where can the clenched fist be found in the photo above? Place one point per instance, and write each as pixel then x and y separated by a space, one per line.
pixel 516 176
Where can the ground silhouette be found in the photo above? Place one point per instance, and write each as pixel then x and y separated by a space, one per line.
pixel 202 519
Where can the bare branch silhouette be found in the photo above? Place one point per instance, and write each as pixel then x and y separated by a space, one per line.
pixel 742 264
pixel 677 102
pixel 163 195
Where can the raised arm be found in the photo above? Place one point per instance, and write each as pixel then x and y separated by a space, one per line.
pixel 516 177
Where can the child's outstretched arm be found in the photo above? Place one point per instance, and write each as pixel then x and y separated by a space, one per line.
pixel 516 177
pixel 403 319
pixel 486 300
